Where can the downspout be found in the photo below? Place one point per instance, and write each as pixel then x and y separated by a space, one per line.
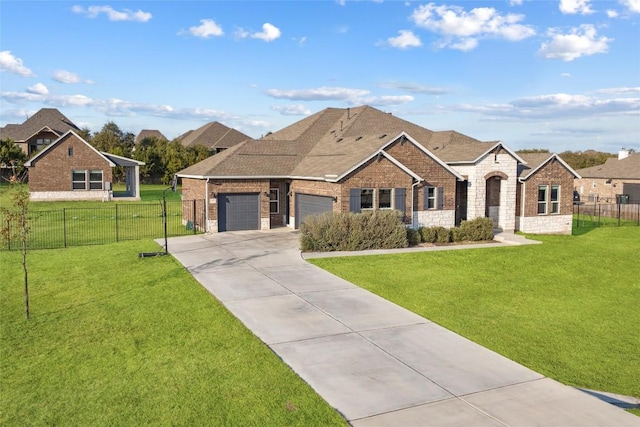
pixel 413 186
pixel 206 206
pixel 523 191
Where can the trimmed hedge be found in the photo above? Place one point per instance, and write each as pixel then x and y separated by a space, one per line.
pixel 475 230
pixel 342 231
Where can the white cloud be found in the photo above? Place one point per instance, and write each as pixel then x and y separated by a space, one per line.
pixel 206 29
pixel 14 65
pixel 112 14
pixel 515 2
pixel 38 89
pixel 413 88
pixel 64 76
pixel 632 5
pixel 581 41
pixel 269 33
pixel 612 13
pixel 301 41
pixel 558 106
pixel 382 100
pixel 461 29
pixel 620 90
pixel 318 94
pixel 405 40
pixel 566 75
pixel 292 110
pixel 570 7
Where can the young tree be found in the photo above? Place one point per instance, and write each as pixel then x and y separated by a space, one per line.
pixel 12 156
pixel 15 226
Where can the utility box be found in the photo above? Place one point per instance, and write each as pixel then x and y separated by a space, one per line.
pixel 622 199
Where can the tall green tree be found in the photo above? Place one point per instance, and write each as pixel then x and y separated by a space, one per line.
pixel 111 139
pixel 12 156
pixel 151 150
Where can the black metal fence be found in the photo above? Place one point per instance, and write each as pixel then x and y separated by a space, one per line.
pixel 606 214
pixel 61 228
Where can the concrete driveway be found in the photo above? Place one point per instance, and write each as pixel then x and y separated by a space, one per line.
pixel 377 363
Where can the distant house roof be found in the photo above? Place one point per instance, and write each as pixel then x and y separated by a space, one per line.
pixel 213 135
pixel 149 133
pixel 627 168
pixel 49 118
pixel 331 143
pixel 535 161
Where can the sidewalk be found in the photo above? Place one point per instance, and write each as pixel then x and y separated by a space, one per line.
pixel 377 363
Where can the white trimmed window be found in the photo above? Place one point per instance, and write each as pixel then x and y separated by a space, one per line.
pixel 543 191
pixel 431 197
pixel 79 179
pixel 555 199
pixel 274 200
pixel 548 199
pixel 385 199
pixel 86 180
pixel 366 199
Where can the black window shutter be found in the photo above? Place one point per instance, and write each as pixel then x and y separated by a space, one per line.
pixel 425 198
pixel 354 200
pixel 440 193
pixel 399 196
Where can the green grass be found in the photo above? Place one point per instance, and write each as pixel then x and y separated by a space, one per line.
pixel 569 308
pixel 114 339
pixel 73 223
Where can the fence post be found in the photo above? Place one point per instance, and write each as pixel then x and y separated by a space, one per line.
pixel 117 223
pixel 64 226
pixel 194 216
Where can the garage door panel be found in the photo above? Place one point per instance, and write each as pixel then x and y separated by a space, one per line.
pixel 309 204
pixel 238 211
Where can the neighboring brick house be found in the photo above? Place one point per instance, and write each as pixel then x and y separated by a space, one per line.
pixel 604 182
pixel 544 202
pixel 352 160
pixel 69 168
pixel 39 130
pixel 215 136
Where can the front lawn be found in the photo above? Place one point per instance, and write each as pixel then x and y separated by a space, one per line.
pixel 569 308
pixel 114 339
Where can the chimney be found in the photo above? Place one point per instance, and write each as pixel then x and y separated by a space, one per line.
pixel 623 154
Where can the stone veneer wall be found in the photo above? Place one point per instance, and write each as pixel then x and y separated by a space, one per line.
pixel 102 195
pixel 476 190
pixel 546 224
pixel 434 218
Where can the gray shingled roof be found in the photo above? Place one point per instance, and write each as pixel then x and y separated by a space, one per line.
pixel 45 117
pixel 331 142
pixel 535 161
pixel 213 135
pixel 149 133
pixel 627 168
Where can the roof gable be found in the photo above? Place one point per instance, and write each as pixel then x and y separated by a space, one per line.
pixel 50 118
pixel 537 161
pixel 50 147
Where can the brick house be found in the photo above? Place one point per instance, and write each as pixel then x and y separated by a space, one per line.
pixel 352 160
pixel 604 182
pixel 39 130
pixel 69 168
pixel 544 202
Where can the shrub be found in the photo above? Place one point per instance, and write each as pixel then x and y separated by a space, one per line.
pixel 413 237
pixel 478 229
pixel 428 234
pixel 340 231
pixel 435 234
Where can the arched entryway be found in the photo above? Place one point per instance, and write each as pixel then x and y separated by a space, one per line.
pixel 492 196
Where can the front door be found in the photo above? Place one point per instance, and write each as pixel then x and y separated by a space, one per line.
pixel 461 201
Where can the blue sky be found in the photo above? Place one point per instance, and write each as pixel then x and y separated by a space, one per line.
pixel 561 74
